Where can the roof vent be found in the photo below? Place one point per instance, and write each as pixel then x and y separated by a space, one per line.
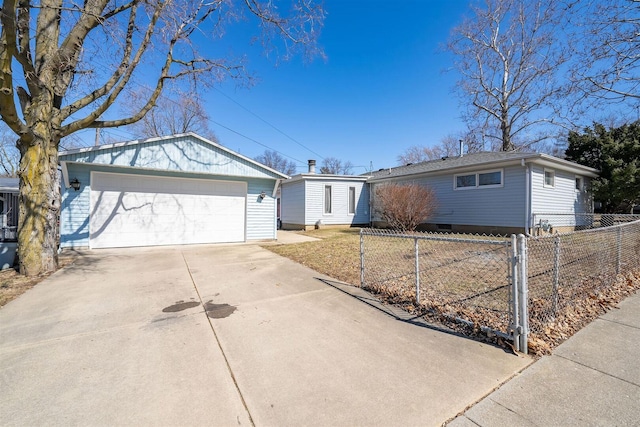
pixel 445 157
pixel 312 166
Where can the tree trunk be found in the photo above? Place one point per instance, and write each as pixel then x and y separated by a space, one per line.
pixel 39 203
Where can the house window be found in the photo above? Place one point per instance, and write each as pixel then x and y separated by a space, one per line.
pixel 463 181
pixel 579 183
pixel 549 178
pixel 327 199
pixel 486 179
pixel 352 200
pixel 490 178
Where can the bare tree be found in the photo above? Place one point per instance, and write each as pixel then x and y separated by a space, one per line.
pixel 333 166
pixel 274 160
pixel 449 146
pixel 606 42
pixel 171 116
pixel 508 55
pixel 417 154
pixel 405 206
pixel 76 60
pixel 9 154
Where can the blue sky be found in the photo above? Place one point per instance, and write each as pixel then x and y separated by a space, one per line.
pixel 381 89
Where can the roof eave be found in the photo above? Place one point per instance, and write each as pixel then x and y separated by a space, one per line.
pixel 163 138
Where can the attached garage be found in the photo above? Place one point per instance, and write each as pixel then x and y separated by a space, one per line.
pixel 165 191
pixel 150 211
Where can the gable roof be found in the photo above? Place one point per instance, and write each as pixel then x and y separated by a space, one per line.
pixel 187 152
pixel 483 160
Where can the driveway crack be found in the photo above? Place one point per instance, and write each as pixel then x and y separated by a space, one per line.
pixel 224 355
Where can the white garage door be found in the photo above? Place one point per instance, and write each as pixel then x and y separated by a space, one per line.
pixel 134 210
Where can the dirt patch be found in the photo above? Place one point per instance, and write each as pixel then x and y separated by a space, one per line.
pixel 13 284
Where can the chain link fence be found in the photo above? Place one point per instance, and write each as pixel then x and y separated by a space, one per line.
pixel 548 223
pixel 541 285
pixel 460 278
pixel 564 269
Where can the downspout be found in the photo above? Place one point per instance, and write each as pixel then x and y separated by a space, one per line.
pixel 527 199
pixel 274 195
pixel 370 204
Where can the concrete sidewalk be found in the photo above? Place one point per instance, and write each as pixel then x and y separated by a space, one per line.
pixel 592 379
pixel 225 335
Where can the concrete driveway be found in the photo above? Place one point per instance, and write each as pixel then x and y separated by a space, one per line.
pixel 225 335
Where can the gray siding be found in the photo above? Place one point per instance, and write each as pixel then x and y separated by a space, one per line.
pixel 292 202
pixel 488 207
pixel 185 154
pixel 562 198
pixel 340 202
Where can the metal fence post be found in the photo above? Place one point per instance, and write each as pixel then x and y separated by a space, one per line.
pixel 417 254
pixel 619 250
pixel 514 293
pixel 361 259
pixel 556 275
pixel 523 294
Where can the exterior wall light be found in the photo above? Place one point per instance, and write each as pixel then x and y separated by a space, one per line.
pixel 75 184
pixel 262 195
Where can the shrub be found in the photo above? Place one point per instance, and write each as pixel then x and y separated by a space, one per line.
pixel 405 206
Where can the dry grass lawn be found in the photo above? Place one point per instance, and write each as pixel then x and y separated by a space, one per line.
pixel 13 284
pixel 337 254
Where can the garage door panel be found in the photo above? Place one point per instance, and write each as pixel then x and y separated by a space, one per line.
pixel 164 211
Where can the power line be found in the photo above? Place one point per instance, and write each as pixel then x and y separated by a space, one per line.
pixel 253 140
pixel 173 101
pixel 268 123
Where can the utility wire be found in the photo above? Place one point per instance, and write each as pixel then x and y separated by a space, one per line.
pixel 265 121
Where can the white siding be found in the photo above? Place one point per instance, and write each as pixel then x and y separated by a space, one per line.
pixel 314 211
pixel 261 213
pixel 292 202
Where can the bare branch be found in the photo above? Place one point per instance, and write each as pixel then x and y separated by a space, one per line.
pixel 509 56
pixel 404 206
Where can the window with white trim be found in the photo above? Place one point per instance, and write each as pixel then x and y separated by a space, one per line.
pixel 549 178
pixel 327 199
pixel 465 181
pixel 579 183
pixel 352 200
pixel 486 179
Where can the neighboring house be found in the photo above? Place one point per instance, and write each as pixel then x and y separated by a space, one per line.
pixel 497 192
pixel 180 189
pixel 9 220
pixel 314 200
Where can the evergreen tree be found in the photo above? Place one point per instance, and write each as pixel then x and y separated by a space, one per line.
pixel 615 152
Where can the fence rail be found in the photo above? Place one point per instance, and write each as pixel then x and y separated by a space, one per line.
pixel 510 287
